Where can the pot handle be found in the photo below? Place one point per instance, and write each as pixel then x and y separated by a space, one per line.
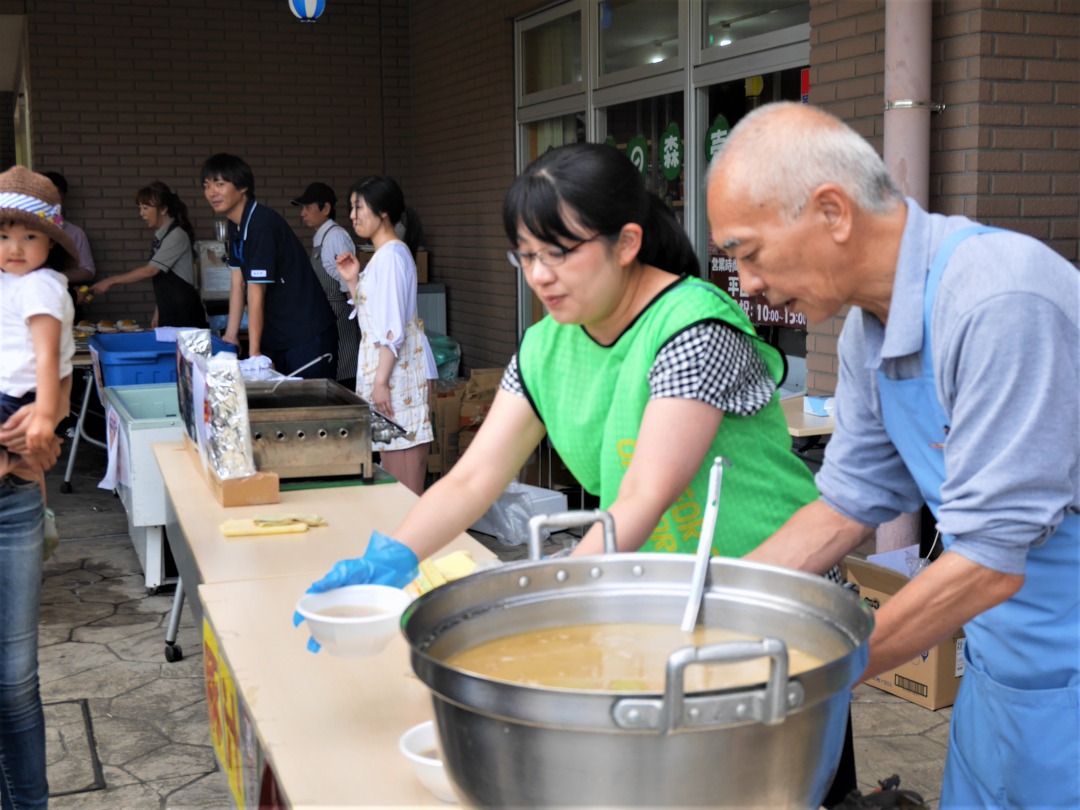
pixel 769 706
pixel 570 520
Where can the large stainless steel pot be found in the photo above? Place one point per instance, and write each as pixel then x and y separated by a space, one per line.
pixel 775 744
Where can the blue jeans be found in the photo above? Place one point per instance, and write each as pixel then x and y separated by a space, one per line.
pixel 10 404
pixel 22 722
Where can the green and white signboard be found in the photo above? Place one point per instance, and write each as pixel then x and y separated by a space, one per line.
pixel 715 136
pixel 638 152
pixel 671 151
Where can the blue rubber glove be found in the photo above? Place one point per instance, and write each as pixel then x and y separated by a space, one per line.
pixel 386 562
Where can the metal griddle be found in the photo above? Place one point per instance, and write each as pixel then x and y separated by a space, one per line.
pixel 314 429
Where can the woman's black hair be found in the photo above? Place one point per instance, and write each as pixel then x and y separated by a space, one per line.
pixel 231 169
pixel 383 195
pixel 159 195
pixel 601 189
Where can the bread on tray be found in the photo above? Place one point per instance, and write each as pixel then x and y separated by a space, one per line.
pixel 128 325
pixel 106 327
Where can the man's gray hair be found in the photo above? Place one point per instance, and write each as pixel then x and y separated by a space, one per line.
pixel 781 164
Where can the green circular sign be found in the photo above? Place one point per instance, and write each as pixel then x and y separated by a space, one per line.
pixel 671 151
pixel 638 152
pixel 715 136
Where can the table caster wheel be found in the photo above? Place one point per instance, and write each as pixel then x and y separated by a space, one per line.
pixel 65 487
pixel 173 653
pixel 151 591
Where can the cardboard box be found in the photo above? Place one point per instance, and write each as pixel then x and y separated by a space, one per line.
pixel 465 438
pixel 448 397
pixel 473 412
pixel 931 679
pixel 254 490
pixel 421 267
pixel 483 383
pixel 479 394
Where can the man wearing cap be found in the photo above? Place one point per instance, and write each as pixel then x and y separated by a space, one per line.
pixel 331 240
pixel 84 271
pixel 289 319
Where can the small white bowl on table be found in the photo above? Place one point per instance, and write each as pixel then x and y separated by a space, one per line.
pixel 418 744
pixel 360 635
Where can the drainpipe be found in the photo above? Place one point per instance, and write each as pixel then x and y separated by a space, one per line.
pixel 908 36
pixel 907 96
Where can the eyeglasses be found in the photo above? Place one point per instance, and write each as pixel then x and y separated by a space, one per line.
pixel 549 258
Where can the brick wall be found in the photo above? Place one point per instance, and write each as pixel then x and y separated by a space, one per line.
pixel 464 161
pixel 1006 148
pixel 137 92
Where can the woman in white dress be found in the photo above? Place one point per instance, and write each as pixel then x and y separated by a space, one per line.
pixel 391 370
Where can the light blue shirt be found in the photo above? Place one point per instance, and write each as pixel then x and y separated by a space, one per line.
pixel 1006 352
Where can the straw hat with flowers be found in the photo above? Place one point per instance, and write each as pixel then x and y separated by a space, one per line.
pixel 32 200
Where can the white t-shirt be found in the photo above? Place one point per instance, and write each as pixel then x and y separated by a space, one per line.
pixel 40 292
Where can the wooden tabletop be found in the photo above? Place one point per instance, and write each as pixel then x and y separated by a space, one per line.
pixel 802 424
pixel 351 514
pixel 328 726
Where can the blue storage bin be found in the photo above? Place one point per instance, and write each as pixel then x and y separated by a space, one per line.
pixel 137 358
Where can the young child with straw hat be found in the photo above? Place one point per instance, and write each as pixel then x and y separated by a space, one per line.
pixel 36 312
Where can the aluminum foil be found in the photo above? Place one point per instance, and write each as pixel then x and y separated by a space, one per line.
pixel 190 344
pixel 193 342
pixel 228 434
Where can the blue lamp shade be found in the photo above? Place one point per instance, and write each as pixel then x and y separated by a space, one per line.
pixel 307 10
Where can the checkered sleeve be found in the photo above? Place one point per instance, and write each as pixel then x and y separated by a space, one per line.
pixel 715 364
pixel 511 380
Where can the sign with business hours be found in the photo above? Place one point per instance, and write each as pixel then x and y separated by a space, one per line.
pixel 638 152
pixel 671 152
pixel 724 273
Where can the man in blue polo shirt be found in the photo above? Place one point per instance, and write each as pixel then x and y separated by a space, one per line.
pixel 957 387
pixel 289 319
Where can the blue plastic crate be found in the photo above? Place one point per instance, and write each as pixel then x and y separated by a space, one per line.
pixel 137 358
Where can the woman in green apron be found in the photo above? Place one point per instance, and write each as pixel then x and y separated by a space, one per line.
pixel 640 375
pixel 171 265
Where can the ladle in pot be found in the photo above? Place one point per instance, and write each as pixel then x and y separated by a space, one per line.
pixel 701 559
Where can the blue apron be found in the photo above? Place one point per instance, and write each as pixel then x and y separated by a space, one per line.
pixel 1014 740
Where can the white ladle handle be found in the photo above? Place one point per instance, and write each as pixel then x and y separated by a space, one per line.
pixel 704 549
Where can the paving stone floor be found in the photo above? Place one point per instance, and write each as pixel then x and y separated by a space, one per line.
pixel 128 730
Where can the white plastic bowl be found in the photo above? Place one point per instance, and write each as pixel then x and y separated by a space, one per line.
pixel 414 744
pixel 354 636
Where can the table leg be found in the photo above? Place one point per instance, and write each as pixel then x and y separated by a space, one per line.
pixel 80 431
pixel 172 649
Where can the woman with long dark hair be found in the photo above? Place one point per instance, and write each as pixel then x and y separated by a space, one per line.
pixel 391 371
pixel 171 265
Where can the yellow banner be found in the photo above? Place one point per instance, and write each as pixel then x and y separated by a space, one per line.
pixel 224 714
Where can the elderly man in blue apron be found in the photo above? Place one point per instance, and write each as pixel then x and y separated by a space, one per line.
pixel 958 387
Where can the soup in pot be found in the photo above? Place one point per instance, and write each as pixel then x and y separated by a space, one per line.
pixel 615 657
